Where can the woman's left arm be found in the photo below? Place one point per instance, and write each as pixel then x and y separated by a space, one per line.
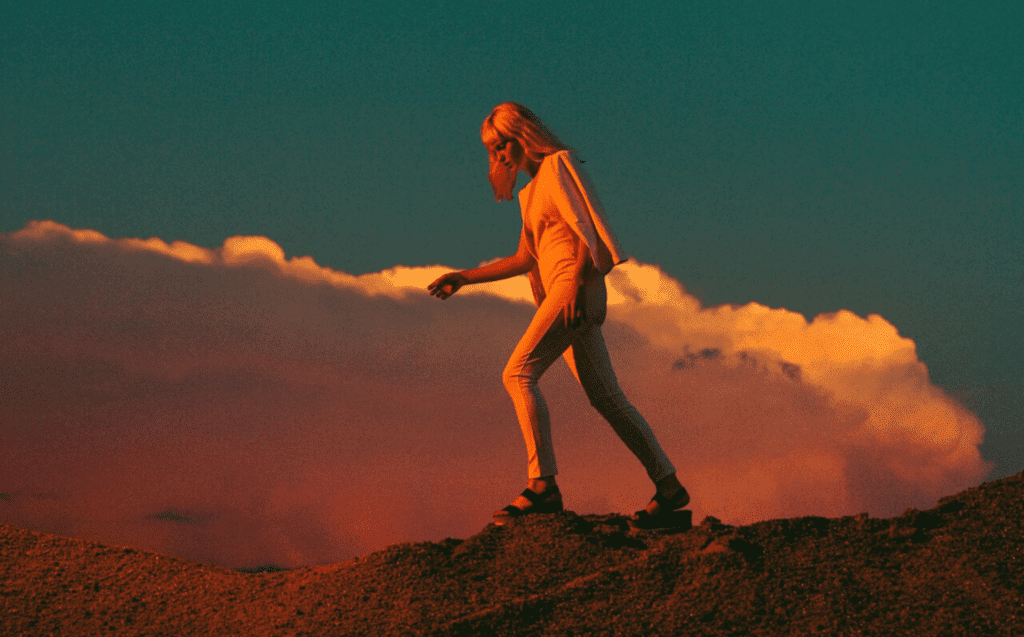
pixel 574 313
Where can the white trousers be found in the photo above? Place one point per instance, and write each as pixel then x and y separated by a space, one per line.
pixel 545 340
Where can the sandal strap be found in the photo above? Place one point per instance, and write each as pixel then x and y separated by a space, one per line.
pixel 536 498
pixel 662 501
pixel 670 504
pixel 540 498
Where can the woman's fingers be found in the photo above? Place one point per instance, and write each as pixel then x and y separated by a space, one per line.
pixel 573 315
pixel 445 285
pixel 439 282
pixel 575 308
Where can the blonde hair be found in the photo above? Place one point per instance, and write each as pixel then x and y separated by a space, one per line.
pixel 511 120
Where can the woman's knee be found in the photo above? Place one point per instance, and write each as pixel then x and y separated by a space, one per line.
pixel 609 402
pixel 516 377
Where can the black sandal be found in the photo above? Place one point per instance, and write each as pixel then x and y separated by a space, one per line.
pixel 667 514
pixel 550 501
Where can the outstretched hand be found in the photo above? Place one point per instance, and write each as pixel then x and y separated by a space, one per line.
pixel 447 285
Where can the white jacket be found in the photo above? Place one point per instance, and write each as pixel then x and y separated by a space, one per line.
pixel 562 181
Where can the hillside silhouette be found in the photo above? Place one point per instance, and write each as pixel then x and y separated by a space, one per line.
pixel 955 569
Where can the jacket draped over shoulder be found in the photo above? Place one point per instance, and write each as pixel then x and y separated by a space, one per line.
pixel 569 187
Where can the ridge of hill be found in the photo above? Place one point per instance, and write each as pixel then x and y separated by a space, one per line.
pixel 957 568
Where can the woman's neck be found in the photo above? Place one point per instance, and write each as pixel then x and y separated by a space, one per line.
pixel 530 166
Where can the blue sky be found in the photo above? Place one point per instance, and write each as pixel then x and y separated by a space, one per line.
pixel 813 156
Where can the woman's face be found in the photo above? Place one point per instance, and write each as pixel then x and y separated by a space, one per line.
pixel 507 152
pixel 507 158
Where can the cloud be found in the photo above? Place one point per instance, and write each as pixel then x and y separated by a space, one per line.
pixel 237 407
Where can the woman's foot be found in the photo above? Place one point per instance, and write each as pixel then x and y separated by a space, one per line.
pixel 541 496
pixel 670 496
pixel 661 504
pixel 659 513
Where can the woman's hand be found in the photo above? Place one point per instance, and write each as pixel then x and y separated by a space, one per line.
pixel 574 313
pixel 447 284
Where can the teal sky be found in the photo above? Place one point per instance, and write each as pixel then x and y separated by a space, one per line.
pixel 808 155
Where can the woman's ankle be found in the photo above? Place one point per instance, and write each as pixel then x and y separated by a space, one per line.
pixel 669 485
pixel 540 485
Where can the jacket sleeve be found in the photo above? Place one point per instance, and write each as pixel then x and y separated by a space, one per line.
pixel 578 203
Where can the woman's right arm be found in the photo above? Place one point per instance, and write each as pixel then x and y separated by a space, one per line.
pixel 519 263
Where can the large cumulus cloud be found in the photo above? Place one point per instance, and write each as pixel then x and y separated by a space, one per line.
pixel 237 407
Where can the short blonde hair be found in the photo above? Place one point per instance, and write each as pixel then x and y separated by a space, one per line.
pixel 511 120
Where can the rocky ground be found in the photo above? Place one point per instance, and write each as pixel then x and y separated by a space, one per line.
pixel 955 569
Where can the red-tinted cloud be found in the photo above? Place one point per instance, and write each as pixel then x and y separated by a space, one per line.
pixel 236 407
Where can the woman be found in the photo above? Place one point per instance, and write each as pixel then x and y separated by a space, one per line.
pixel 566 247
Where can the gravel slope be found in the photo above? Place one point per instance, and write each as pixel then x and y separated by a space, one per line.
pixel 955 569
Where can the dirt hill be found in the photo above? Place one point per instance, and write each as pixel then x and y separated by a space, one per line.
pixel 955 569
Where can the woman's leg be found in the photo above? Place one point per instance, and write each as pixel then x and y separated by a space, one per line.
pixel 544 341
pixel 589 361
